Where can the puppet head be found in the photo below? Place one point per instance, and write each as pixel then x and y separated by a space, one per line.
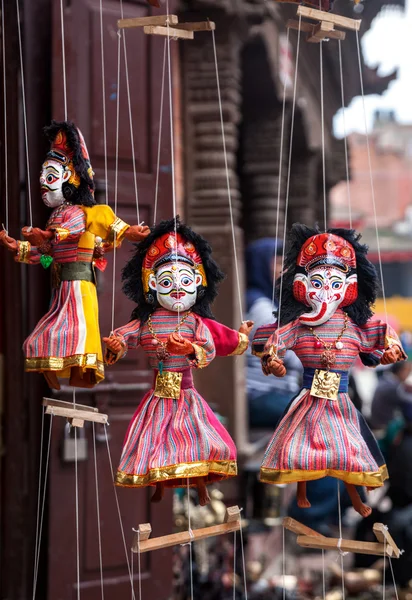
pixel 172 268
pixel 325 277
pixel 66 173
pixel 326 271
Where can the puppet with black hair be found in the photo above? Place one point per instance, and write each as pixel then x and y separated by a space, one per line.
pixel 174 436
pixel 328 289
pixel 66 342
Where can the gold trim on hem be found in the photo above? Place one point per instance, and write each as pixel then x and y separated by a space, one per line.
pixel 54 363
pixel 117 229
pixel 23 252
pixel 200 354
pixel 368 479
pixel 222 468
pixel 242 345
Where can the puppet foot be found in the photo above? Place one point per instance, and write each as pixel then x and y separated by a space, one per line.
pixel 82 380
pixel 52 381
pixel 302 500
pixel 363 509
pixel 203 494
pixel 158 495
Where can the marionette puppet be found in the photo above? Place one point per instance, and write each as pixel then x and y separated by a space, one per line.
pixel 174 436
pixel 329 287
pixel 66 341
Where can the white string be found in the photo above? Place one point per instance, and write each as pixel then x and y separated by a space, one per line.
pixel 106 170
pixel 63 60
pixel 345 140
pixel 37 557
pixel 229 191
pixel 139 566
pixel 393 578
pixel 118 511
pixel 23 93
pixel 282 133
pixel 77 514
pixel 289 171
pixel 160 133
pixel 283 563
pixel 322 111
pixel 342 554
pixel 371 178
pixel 243 557
pixel 38 491
pixel 323 575
pixel 99 533
pixel 234 565
pixel 6 168
pixel 132 573
pixel 191 535
pixel 384 569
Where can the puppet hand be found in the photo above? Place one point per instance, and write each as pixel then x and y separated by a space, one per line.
pixel 137 233
pixel 113 347
pixel 9 242
pixel 36 236
pixel 274 366
pixel 176 344
pixel 391 355
pixel 246 327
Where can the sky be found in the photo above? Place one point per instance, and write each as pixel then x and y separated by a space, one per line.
pixel 388 45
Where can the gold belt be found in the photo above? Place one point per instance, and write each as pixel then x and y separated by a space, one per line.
pixel 325 384
pixel 168 385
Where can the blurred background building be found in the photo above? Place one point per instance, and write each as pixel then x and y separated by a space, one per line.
pixel 254 59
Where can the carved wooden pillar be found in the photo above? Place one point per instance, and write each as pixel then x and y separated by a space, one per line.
pixel 303 196
pixel 222 383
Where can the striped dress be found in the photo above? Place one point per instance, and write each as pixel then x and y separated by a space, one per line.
pixel 318 437
pixel 171 440
pixel 68 335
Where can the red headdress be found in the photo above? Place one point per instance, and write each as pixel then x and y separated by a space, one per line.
pixel 170 248
pixel 327 249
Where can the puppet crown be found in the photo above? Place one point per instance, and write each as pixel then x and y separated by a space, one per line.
pixel 327 249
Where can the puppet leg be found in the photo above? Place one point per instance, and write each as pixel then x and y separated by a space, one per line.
pixel 82 380
pixel 52 380
pixel 158 495
pixel 204 497
pixel 358 505
pixel 303 502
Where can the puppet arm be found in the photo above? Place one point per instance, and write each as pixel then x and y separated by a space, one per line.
pixel 23 252
pixel 276 346
pixel 227 341
pixel 70 229
pixel 379 336
pixel 200 352
pixel 102 222
pixel 120 340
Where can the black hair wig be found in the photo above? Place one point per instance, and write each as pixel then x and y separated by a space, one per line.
pixel 132 272
pixel 83 194
pixel 361 310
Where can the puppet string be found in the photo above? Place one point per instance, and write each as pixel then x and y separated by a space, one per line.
pixel 229 191
pixel 77 516
pixel 322 118
pixel 63 60
pixel 393 578
pixel 99 532
pixel 323 575
pixel 191 536
pixel 283 564
pixel 26 136
pixel 282 137
pixel 371 177
pixel 162 93
pixel 384 569
pixel 38 495
pixel 132 570
pixel 37 550
pixel 118 511
pixel 234 565
pixel 129 104
pixel 243 556
pixel 139 565
pixel 106 170
pixel 341 554
pixel 345 139
pixel 289 172
pixel 6 168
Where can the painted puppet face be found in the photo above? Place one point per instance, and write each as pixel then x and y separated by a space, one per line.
pixel 176 286
pixel 324 289
pixel 52 177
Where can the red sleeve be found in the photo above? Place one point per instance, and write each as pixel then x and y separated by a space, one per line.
pixel 227 341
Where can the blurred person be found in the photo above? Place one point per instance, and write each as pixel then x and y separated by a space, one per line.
pixel 388 396
pixel 268 397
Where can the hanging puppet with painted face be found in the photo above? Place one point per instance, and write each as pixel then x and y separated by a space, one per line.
pixel 328 289
pixel 174 436
pixel 66 342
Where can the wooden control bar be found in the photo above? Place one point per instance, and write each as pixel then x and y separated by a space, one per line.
pixel 76 414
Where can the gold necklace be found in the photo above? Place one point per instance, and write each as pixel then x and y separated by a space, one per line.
pixel 161 350
pixel 328 356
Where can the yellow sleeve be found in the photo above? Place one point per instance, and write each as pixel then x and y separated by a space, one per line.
pixel 102 222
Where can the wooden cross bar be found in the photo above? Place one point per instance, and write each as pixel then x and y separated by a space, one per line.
pixel 143 21
pixel 76 414
pixel 320 15
pixel 325 26
pixel 142 543
pixel 172 32
pixel 167 25
pixel 308 538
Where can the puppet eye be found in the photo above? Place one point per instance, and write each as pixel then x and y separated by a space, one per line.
pixel 50 178
pixel 336 285
pixel 166 282
pixel 186 281
pixel 316 283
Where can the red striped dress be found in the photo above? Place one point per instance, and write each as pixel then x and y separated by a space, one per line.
pixel 318 437
pixel 171 440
